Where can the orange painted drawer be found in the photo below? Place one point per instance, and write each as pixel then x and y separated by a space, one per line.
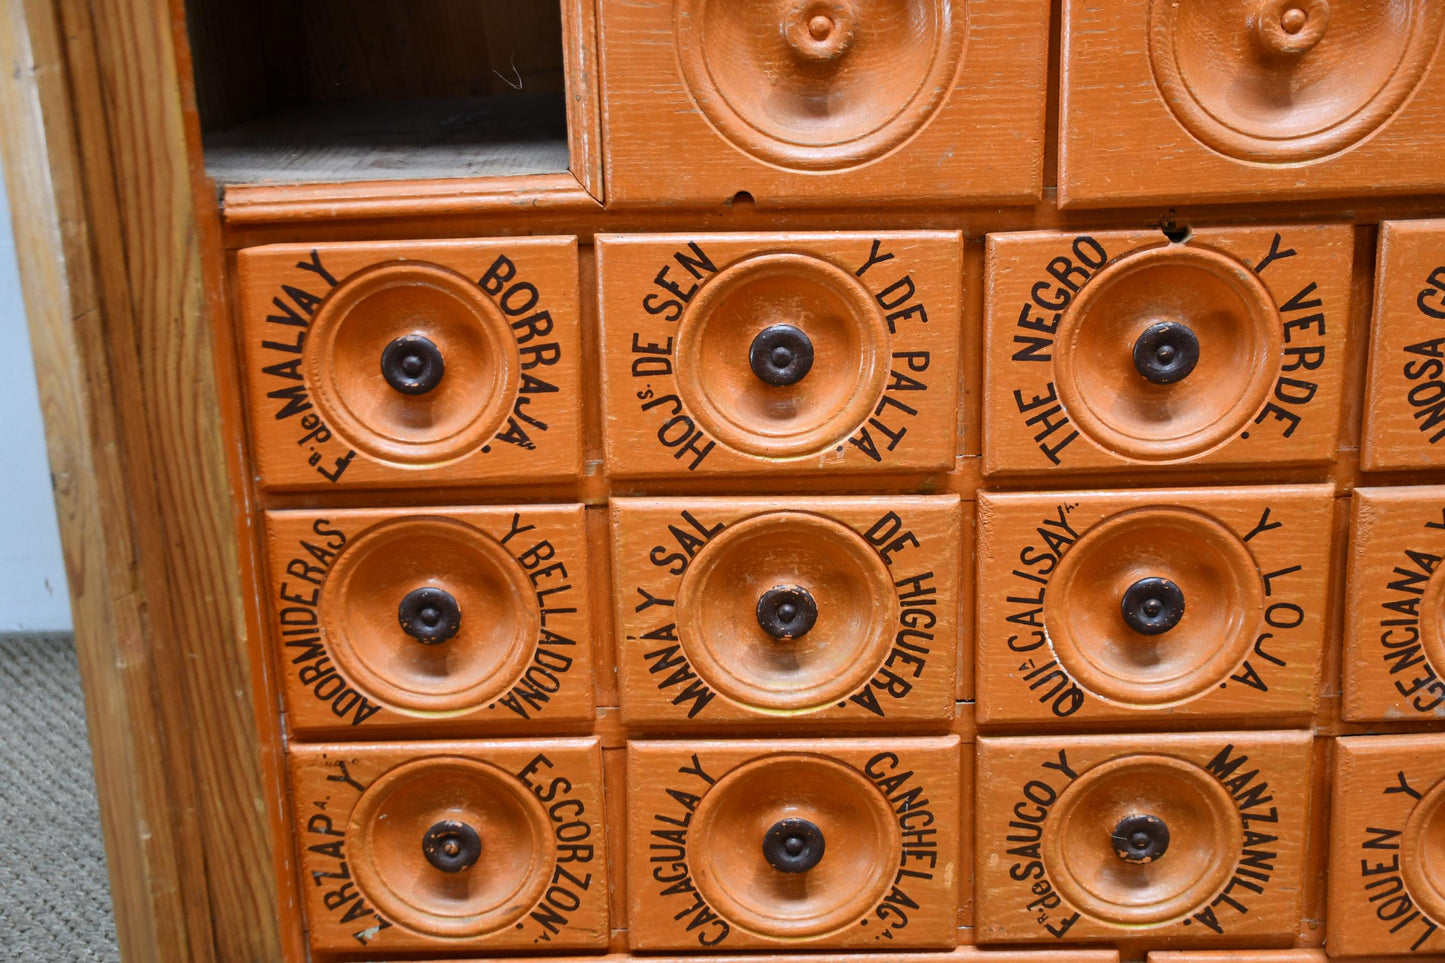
pixel 1211 100
pixel 405 363
pixel 1405 401
pixel 1238 956
pixel 891 101
pixel 474 618
pixel 766 354
pixel 450 845
pixel 1122 350
pixel 786 611
pixel 1386 889
pixel 964 954
pixel 1173 839
pixel 1155 607
pixel 1393 634
pixel 830 844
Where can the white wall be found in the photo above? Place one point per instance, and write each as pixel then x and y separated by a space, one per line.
pixel 33 595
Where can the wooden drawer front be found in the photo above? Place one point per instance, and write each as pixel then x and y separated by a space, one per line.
pixel 869 100
pixel 1386 888
pixel 1405 403
pixel 1202 100
pixel 1227 811
pixel 1152 606
pixel 412 363
pixel 866 833
pixel 692 325
pixel 1394 638
pixel 1238 956
pixel 507 643
pixel 787 611
pixel 963 954
pixel 431 846
pixel 1079 332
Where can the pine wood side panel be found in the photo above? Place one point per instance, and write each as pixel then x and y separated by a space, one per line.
pixel 106 221
pixel 110 619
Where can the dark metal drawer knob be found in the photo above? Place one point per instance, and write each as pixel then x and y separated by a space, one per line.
pixel 1141 838
pixel 787 612
pixel 1166 352
pixel 1153 606
pixel 451 846
pixel 430 615
pixel 781 355
pixel 412 365
pixel 793 845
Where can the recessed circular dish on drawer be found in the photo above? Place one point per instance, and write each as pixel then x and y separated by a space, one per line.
pixel 1168 352
pixel 1154 606
pixel 1284 81
pixel 449 847
pixel 830 830
pixel 411 363
pixel 820 84
pixel 743 342
pixel 429 615
pixel 1142 840
pixel 786 612
pixel 1423 849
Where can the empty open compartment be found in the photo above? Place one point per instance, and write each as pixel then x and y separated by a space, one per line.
pixel 309 91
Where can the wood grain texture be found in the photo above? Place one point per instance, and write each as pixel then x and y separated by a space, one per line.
pixel 1394 652
pixel 699 814
pixel 1236 807
pixel 1405 419
pixel 504 315
pixel 679 315
pixel 1060 387
pixel 520 661
pixel 882 137
pixel 146 514
pixel 1385 896
pixel 363 810
pixel 900 646
pixel 1054 568
pixel 1374 90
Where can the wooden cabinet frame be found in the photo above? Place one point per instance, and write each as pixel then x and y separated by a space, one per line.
pixel 98 149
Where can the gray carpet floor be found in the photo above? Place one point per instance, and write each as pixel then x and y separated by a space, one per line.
pixel 54 892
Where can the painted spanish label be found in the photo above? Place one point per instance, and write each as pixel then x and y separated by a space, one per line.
pixel 503 317
pixel 685 326
pixel 685 868
pixel 1251 565
pixel 691 576
pixel 1383 857
pixel 549 791
pixel 1049 402
pixel 1040 821
pixel 1405 405
pixel 322 626
pixel 1394 651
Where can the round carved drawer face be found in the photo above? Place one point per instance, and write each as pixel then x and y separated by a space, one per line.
pixel 793 846
pixel 819 84
pixel 1423 852
pixel 1154 606
pixel 1168 353
pixel 786 612
pixel 410 363
pixel 428 615
pixel 1283 81
pixel 449 847
pixel 1142 840
pixel 782 355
